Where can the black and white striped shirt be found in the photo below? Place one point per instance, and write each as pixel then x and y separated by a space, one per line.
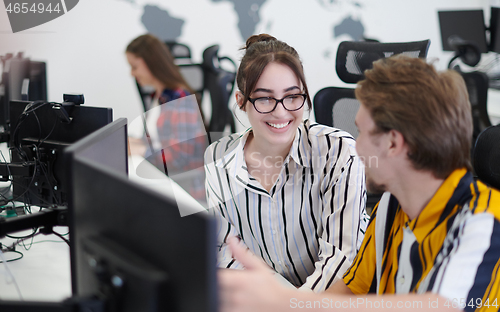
pixel 310 225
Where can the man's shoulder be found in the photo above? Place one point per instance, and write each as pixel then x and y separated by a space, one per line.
pixel 485 200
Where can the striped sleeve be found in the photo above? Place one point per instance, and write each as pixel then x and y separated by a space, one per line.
pixel 476 247
pixel 217 206
pixel 342 211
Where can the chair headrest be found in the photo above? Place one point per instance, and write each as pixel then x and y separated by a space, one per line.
pixel 211 57
pixel 486 156
pixel 354 57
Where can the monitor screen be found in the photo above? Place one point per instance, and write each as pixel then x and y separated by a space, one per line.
pixel 495 30
pixel 22 79
pixel 151 258
pixel 467 24
pixel 107 146
pixel 37 81
pixel 38 137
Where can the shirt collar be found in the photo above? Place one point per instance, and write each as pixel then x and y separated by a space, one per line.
pixel 453 192
pixel 233 156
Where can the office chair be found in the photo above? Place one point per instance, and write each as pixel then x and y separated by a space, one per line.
pixel 486 156
pixel 192 72
pixel 337 107
pixel 477 82
pixel 220 83
pixel 477 86
pixel 180 51
pixel 353 58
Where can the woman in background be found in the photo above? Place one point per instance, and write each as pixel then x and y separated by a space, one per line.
pixel 174 138
pixel 292 190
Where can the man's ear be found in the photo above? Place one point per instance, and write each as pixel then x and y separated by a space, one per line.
pixel 239 100
pixel 397 143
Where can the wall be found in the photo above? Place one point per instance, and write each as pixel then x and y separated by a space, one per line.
pixel 84 48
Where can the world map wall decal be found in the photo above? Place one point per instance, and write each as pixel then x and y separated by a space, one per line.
pixel 26 14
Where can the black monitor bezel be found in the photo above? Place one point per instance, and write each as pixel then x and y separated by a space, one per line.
pixel 80 147
pixel 11 82
pixel 454 19
pixel 106 206
pixel 58 135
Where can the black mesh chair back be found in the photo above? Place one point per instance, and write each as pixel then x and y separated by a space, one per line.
pixel 486 156
pixel 194 75
pixel 336 106
pixel 180 51
pixel 477 86
pixel 220 83
pixel 354 57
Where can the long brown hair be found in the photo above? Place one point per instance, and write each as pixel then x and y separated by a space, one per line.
pixel 430 109
pixel 261 50
pixel 159 60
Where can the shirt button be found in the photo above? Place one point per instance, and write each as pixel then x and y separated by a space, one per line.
pixel 402 280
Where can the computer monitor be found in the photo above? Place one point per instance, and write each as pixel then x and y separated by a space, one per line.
pixel 14 71
pixel 107 146
pixel 130 246
pixel 38 136
pixel 466 24
pixel 495 30
pixel 22 79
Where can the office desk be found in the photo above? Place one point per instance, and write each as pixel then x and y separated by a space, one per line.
pixel 43 274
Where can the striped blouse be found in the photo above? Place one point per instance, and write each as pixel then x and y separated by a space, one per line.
pixel 452 248
pixel 310 225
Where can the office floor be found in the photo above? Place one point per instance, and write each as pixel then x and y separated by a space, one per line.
pixel 42 274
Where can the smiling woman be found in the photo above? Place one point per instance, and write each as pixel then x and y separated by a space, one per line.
pixel 293 191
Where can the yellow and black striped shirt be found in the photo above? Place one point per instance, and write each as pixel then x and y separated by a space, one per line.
pixel 452 248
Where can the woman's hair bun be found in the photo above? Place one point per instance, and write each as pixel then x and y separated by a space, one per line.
pixel 258 38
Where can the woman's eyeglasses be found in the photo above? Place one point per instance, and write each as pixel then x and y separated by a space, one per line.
pixel 265 105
